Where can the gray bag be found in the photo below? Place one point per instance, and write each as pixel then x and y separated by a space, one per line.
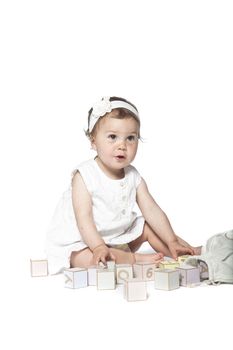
pixel 218 256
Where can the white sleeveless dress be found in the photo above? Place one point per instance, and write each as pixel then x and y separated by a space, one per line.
pixel 113 204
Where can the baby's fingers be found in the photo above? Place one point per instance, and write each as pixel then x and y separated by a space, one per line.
pixel 174 254
pixel 187 250
pixel 103 259
pixel 96 259
pixel 112 256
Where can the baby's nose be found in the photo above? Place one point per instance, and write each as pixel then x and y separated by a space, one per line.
pixel 122 147
pixel 122 144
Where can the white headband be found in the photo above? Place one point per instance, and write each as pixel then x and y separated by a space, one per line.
pixel 105 106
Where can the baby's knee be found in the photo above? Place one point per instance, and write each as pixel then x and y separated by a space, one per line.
pixel 83 258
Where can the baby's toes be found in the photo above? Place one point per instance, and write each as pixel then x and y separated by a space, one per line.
pixel 158 257
pixel 197 250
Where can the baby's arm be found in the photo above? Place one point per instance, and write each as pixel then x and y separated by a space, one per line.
pixel 158 220
pixel 82 205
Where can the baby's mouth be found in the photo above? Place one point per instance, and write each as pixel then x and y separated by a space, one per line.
pixel 120 157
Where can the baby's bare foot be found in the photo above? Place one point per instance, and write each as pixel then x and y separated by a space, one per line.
pixel 153 258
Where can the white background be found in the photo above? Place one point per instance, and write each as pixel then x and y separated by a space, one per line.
pixel 173 59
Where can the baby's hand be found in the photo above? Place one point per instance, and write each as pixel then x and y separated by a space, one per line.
pixel 178 249
pixel 102 253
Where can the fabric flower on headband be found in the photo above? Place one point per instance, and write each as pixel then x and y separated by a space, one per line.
pixel 102 107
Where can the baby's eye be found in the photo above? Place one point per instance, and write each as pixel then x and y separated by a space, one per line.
pixel 131 138
pixel 112 137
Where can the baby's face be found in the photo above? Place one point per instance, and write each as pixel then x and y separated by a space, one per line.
pixel 116 143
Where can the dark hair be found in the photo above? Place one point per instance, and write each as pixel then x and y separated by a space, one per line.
pixel 118 113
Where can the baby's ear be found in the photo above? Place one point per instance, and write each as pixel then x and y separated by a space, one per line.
pixel 92 141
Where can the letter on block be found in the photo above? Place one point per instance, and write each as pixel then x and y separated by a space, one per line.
pixel 189 275
pixel 105 279
pixel 123 271
pixel 39 268
pixel 135 289
pixel 75 278
pixel 169 264
pixel 144 270
pixel 166 279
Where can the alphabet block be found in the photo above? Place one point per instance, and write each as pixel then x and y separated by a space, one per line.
pixel 123 271
pixel 183 258
pixel 92 275
pixel 39 268
pixel 188 275
pixel 135 289
pixel 203 267
pixel 75 277
pixel 111 264
pixel 105 279
pixel 169 264
pixel 166 279
pixel 144 270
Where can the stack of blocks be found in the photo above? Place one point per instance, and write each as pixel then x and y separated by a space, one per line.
pixel 105 278
pixel 184 275
pixel 170 275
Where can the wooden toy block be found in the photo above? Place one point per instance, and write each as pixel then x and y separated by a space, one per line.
pixel 101 264
pixel 183 258
pixel 75 277
pixel 188 275
pixel 39 268
pixel 105 279
pixel 123 271
pixel 111 264
pixel 204 273
pixel 169 264
pixel 193 285
pixel 92 274
pixel 135 289
pixel 144 270
pixel 166 279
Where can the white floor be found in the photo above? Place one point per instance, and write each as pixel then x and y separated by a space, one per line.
pixel 39 313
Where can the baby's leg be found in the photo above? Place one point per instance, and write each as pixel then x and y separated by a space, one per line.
pixel 197 250
pixel 84 257
pixel 123 257
pixel 148 235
